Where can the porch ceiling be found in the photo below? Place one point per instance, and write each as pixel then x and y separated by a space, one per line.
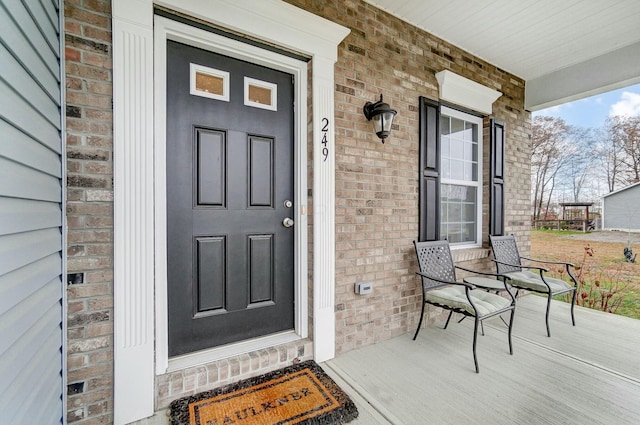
pixel 565 50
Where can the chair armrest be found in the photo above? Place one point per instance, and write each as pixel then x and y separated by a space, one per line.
pixel 521 266
pixel 477 272
pixel 548 262
pixel 468 285
pixel 567 266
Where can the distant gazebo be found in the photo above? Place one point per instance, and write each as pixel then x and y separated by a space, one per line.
pixel 575 216
pixel 576 210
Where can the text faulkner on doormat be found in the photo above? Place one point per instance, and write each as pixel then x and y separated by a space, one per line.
pixel 302 394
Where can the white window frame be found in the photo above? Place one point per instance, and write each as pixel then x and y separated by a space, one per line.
pixel 273 92
pixel 476 120
pixel 194 69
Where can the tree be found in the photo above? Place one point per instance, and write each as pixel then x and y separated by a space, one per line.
pixel 579 161
pixel 609 153
pixel 548 154
pixel 627 131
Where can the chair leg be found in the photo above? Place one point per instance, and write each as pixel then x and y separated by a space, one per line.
pixel 547 314
pixel 419 322
pixel 513 312
pixel 449 318
pixel 475 339
pixel 573 303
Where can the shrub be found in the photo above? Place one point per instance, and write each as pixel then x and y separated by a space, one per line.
pixel 598 288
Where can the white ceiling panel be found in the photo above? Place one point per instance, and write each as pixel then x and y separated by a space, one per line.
pixel 532 39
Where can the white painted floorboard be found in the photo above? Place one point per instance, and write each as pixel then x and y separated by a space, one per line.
pixel 583 375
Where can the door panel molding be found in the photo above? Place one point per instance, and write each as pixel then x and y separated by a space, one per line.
pixel 210 185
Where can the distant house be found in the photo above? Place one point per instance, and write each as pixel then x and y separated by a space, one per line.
pixel 621 209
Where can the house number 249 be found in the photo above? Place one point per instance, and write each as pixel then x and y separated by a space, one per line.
pixel 324 131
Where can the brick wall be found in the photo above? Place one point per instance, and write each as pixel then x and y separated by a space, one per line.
pixel 377 184
pixel 376 188
pixel 89 211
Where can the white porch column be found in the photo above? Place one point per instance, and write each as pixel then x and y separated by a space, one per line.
pixel 133 210
pixel 324 270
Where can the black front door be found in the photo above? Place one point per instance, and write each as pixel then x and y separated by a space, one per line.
pixel 229 180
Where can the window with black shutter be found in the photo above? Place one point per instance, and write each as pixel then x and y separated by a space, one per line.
pixel 451 175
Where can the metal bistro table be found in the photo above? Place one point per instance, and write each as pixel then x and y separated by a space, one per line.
pixel 486 283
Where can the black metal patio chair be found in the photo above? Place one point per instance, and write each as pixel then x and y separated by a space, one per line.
pixel 509 264
pixel 440 288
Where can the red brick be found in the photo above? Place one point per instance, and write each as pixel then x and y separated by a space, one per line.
pixel 71 54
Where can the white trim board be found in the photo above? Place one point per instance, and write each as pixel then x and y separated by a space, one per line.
pixel 135 245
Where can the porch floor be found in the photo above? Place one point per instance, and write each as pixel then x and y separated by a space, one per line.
pixel 587 374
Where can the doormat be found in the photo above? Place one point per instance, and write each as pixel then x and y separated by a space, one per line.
pixel 302 394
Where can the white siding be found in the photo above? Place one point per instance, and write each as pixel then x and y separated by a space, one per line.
pixel 31 214
pixel 621 210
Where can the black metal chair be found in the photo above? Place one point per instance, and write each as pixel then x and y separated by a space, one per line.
pixel 509 264
pixel 439 288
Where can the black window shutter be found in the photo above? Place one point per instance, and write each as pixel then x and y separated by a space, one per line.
pixel 496 218
pixel 429 227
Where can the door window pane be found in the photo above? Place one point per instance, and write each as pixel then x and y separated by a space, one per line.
pixel 209 82
pixel 260 94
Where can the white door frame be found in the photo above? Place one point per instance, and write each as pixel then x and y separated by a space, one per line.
pixel 135 238
pixel 166 29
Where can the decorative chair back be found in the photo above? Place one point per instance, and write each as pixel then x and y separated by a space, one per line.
pixel 435 260
pixel 505 250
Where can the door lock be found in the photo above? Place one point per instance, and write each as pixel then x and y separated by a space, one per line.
pixel 288 204
pixel 287 222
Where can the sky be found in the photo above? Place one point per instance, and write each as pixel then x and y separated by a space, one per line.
pixel 592 112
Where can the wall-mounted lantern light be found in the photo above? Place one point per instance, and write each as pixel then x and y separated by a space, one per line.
pixel 381 115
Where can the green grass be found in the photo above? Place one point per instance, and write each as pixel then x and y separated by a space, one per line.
pixel 559 232
pixel 606 281
pixel 630 306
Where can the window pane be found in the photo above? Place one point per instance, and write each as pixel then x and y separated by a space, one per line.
pixel 468 232
pixel 209 83
pixel 470 194
pixel 260 94
pixel 470 131
pixel 444 124
pixel 457 170
pixel 468 171
pixel 457 149
pixel 468 151
pixel 446 169
pixel 469 212
pixel 460 160
pixel 458 213
pixel 445 149
pixel 454 234
pixel 461 147
pixel 457 128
